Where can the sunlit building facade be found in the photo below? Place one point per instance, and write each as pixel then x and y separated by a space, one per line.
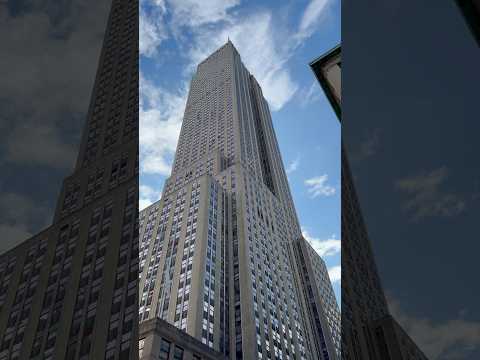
pixel 217 250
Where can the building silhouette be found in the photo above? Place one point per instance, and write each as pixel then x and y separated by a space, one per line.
pixel 368 330
pixel 70 292
pixel 222 257
pixel 470 10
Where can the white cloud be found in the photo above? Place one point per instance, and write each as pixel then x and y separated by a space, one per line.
pixel 317 186
pixel 152 30
pixel 144 203
pixel 293 166
pixel 147 196
pixel 161 114
pixel 264 44
pixel 335 273
pixel 195 13
pixel 310 94
pixel 450 339
pixel 311 18
pixel 426 196
pixel 261 52
pixel 325 247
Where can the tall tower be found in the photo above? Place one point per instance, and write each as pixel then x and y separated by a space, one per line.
pixel 70 292
pixel 217 251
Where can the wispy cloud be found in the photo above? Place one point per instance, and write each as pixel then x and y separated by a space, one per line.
pixel 426 196
pixel 161 114
pixel 199 28
pixel 309 94
pixel 152 29
pixel 450 339
pixel 194 13
pixel 262 53
pixel 265 44
pixel 293 165
pixel 323 247
pixel 311 17
pixel 335 273
pixel 317 186
pixel 147 196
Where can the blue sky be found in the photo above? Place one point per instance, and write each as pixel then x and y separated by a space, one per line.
pixel 276 40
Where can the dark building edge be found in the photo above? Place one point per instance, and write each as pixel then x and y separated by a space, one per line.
pixel 316 66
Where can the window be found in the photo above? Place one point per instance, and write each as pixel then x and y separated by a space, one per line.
pixel 178 354
pixel 141 344
pixel 164 350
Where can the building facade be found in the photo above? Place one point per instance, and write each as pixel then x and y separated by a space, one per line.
pixel 328 71
pixel 392 342
pixel 217 251
pixel 363 300
pixel 471 12
pixel 322 307
pixel 71 291
pixel 161 340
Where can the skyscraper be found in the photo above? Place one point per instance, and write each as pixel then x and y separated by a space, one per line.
pixel 217 251
pixel 70 292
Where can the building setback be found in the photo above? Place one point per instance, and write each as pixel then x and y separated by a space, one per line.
pixel 217 251
pixel 161 340
pixel 322 306
pixel 71 291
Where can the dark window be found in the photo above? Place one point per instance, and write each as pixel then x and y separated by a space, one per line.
pixel 178 354
pixel 164 349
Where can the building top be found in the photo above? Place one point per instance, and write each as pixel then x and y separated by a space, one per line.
pixel 228 45
pixel 471 12
pixel 327 70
